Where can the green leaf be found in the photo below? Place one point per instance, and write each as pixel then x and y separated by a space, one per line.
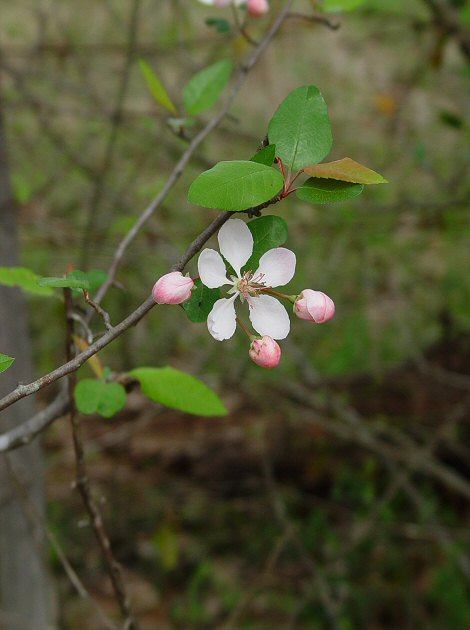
pixel 300 128
pixel 156 87
pixel 201 302
pixel 178 390
pixel 204 88
pixel 268 232
pixel 335 6
pixel 235 186
pixel 266 156
pixel 74 280
pixel 221 26
pixel 346 170
pixel 96 277
pixel 24 279
pixel 5 362
pixel 106 399
pixel 316 190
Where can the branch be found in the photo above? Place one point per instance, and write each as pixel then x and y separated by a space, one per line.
pixel 74 364
pixel 386 442
pixel 96 307
pixel 180 166
pixel 24 433
pixel 317 18
pixel 83 484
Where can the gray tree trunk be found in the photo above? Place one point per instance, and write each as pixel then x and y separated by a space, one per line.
pixel 25 593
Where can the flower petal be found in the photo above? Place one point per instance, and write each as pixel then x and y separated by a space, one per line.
pixel 277 267
pixel 212 269
pixel 222 319
pixel 269 317
pixel 236 243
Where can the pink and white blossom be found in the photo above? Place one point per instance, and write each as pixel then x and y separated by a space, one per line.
pixel 265 352
pixel 276 267
pixel 314 306
pixel 172 288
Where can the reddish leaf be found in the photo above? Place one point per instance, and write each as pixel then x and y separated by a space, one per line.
pixel 345 170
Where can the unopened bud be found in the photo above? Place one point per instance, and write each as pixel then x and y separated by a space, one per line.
pixel 314 306
pixel 172 288
pixel 265 352
pixel 257 8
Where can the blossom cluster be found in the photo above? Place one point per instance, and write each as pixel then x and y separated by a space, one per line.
pixel 268 316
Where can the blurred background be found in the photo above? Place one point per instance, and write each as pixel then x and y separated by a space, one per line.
pixel 336 493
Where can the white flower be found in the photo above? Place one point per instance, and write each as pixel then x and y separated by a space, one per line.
pixel 276 268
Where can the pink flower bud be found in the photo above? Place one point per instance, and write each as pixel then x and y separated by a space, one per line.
pixel 265 352
pixel 257 8
pixel 314 306
pixel 172 288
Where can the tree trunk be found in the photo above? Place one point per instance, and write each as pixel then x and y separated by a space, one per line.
pixel 25 591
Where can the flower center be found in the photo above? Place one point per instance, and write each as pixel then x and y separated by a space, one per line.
pixel 249 285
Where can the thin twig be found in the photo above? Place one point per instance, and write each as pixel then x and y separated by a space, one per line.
pixel 317 18
pixel 441 532
pixel 332 606
pixel 71 366
pixel 197 140
pixel 241 27
pixel 257 586
pixel 116 121
pixel 24 433
pixel 83 484
pixel 393 445
pixel 96 307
